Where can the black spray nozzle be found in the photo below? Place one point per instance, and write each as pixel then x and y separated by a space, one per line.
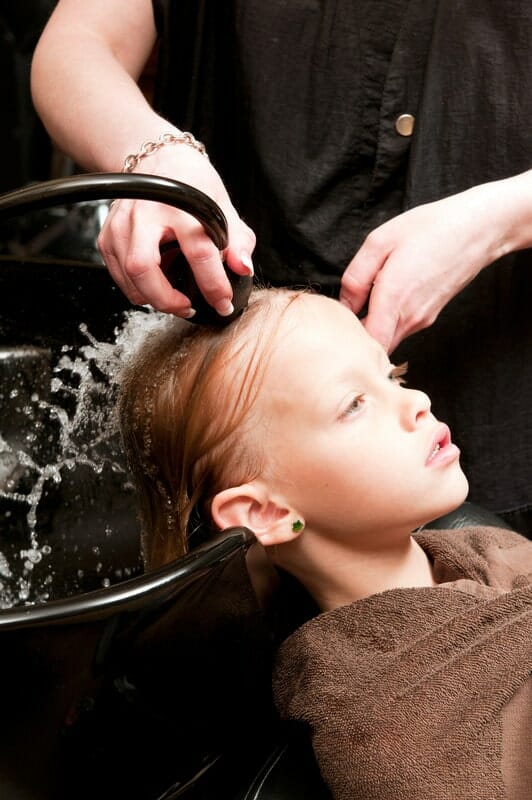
pixel 180 275
pixel 112 186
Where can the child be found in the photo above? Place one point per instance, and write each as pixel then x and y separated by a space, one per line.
pixel 291 421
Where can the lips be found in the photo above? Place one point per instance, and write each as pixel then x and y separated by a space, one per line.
pixel 440 442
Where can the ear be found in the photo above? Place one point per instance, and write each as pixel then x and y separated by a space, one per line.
pixel 252 506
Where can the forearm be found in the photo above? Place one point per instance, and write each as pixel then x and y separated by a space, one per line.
pixel 503 213
pixel 84 85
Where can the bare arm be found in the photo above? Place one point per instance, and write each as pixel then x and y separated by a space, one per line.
pixel 84 87
pixel 84 80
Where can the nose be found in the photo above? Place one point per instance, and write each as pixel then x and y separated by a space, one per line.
pixel 415 408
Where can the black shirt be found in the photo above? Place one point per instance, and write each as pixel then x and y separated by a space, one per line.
pixel 297 102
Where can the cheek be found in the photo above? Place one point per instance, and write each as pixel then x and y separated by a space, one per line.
pixel 335 488
pixel 339 471
pixel 305 479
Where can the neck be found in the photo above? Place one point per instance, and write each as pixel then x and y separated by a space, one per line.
pixel 336 574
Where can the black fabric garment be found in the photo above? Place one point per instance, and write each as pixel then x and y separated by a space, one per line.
pixel 297 100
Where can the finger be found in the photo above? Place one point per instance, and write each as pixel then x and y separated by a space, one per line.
pixel 238 255
pixel 356 285
pixel 113 256
pixel 154 287
pixel 206 263
pixel 122 281
pixel 384 331
pixel 361 273
pixel 129 242
pixel 383 320
pixel 142 268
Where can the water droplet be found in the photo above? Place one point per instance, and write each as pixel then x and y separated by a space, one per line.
pixel 76 427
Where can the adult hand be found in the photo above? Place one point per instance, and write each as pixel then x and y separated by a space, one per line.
pixel 134 229
pixel 411 266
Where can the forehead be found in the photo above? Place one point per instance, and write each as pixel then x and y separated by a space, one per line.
pixel 317 324
pixel 318 340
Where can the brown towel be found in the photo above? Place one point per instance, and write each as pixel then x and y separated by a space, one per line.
pixel 404 691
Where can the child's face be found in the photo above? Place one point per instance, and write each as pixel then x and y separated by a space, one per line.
pixel 348 446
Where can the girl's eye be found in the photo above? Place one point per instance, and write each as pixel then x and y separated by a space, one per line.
pixel 355 405
pixel 398 373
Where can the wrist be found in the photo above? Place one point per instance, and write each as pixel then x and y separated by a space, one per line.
pixel 506 214
pixel 149 147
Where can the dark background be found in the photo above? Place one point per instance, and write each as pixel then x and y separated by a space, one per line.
pixel 26 152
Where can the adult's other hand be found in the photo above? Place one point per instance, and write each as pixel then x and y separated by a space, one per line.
pixel 409 268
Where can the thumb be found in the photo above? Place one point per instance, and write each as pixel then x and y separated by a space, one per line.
pixel 361 273
pixel 383 325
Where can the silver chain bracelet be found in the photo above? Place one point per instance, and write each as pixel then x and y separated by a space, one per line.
pixel 147 148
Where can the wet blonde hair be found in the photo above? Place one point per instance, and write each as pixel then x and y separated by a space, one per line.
pixel 187 423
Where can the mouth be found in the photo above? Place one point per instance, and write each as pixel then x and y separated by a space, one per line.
pixel 440 442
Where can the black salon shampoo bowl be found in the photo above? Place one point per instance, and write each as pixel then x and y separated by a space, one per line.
pixel 120 685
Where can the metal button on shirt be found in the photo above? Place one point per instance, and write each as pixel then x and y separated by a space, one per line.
pixel 404 124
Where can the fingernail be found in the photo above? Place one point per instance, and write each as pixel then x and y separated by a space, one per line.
pixel 245 258
pixel 224 308
pixel 189 313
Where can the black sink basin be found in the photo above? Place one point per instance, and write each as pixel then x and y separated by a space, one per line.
pixel 116 684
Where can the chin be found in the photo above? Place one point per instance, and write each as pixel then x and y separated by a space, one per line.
pixel 453 498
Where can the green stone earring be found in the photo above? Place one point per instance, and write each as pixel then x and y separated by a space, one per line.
pixel 297 525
